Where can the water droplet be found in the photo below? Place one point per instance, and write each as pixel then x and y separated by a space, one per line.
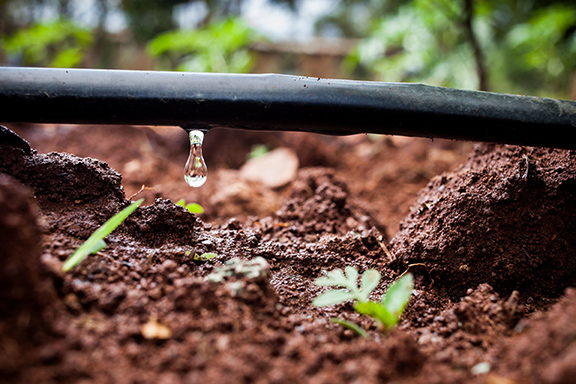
pixel 195 172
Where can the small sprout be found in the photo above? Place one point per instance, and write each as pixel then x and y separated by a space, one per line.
pixel 336 278
pixel 96 241
pixel 191 207
pixel 204 256
pixel 258 150
pixel 251 269
pixel 386 313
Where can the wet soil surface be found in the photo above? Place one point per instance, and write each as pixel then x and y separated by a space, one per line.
pixel 488 231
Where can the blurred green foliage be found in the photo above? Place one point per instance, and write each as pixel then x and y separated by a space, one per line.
pixel 149 18
pixel 218 47
pixel 527 48
pixel 539 54
pixel 60 43
pixel 417 43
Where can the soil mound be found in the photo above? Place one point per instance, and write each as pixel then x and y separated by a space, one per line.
pixel 23 294
pixel 318 203
pixel 545 351
pixel 20 248
pixel 506 218
pixel 162 223
pixel 59 178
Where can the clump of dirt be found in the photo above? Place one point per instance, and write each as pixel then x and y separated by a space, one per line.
pixel 544 350
pixel 318 203
pixel 162 223
pixel 506 218
pixel 144 309
pixel 60 178
pixel 474 325
pixel 23 293
pixel 20 246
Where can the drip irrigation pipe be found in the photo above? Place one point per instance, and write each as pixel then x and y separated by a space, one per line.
pixel 281 103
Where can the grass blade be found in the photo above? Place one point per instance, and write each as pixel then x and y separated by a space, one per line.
pixel 98 246
pixel 94 242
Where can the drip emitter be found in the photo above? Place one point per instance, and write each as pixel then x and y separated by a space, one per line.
pixel 281 103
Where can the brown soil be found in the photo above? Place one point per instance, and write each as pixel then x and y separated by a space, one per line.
pixel 488 232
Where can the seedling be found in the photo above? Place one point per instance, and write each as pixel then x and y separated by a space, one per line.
pixel 96 241
pixel 191 207
pixel 251 269
pixel 258 150
pixel 202 257
pixel 385 313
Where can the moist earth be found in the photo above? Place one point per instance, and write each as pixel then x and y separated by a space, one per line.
pixel 487 231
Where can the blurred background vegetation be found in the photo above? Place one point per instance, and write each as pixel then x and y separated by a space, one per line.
pixel 513 46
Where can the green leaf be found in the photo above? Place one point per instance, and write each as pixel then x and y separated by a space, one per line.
pixel 398 295
pixel 370 280
pixel 204 256
pixel 100 245
pixel 194 208
pixel 258 150
pixel 377 312
pixel 334 296
pixel 95 241
pixel 191 207
pixel 333 278
pixel 351 277
pixel 350 325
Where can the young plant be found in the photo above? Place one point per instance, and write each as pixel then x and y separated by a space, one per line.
pixel 96 241
pixel 385 313
pixel 202 257
pixel 191 207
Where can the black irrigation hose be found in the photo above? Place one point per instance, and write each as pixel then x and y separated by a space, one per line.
pixel 280 102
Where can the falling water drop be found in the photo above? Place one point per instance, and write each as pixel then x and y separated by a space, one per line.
pixel 195 172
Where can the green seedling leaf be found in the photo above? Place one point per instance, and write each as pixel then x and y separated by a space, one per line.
pixel 370 280
pixel 351 277
pixel 398 295
pixel 204 256
pixel 194 208
pixel 334 296
pixel 386 313
pixel 191 207
pixel 96 241
pixel 378 312
pixel 333 278
pixel 350 325
pixel 258 150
